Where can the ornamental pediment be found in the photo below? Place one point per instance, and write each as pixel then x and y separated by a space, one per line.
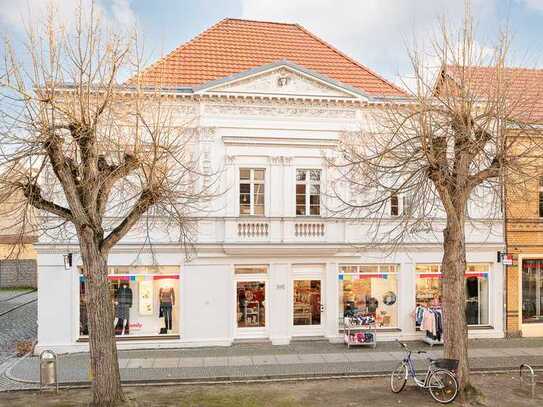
pixel 282 79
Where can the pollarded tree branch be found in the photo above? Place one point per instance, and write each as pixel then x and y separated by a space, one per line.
pixel 62 170
pixel 112 174
pixel 32 192
pixel 147 199
pixel 492 171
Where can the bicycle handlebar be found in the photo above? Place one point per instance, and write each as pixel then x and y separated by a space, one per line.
pixel 403 345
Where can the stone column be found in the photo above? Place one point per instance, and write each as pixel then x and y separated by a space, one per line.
pixel 278 303
pixel 331 297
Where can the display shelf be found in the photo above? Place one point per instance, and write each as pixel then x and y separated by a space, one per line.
pixel 366 328
pixel 431 341
pixel 252 313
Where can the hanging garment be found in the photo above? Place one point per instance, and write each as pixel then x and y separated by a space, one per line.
pixel 122 311
pixel 167 296
pixel 427 320
pixel 124 296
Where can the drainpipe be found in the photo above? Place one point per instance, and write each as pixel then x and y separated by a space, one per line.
pixel 503 190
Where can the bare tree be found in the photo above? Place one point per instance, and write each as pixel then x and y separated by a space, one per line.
pixel 446 151
pixel 95 157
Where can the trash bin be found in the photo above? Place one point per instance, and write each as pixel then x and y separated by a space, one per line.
pixel 48 369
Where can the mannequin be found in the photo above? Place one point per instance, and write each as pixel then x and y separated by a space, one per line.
pixel 167 302
pixel 122 309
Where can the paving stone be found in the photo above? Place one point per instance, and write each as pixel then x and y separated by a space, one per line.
pixel 311 358
pixel 166 363
pixel 264 360
pixel 123 363
pixel 334 357
pixel 358 357
pixel 19 324
pixel 390 356
pixel 287 359
pixel 139 363
pixel 240 361
pixel 191 362
pixel 216 361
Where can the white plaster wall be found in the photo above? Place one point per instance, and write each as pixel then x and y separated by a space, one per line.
pixel 207 304
pixel 56 307
pixel 278 299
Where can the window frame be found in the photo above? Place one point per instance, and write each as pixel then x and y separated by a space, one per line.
pixel 540 196
pixel 252 181
pixel 432 273
pixel 538 294
pixel 394 197
pixel 308 183
pixel 371 270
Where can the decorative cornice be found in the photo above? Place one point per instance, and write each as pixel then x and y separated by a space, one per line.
pixel 286 109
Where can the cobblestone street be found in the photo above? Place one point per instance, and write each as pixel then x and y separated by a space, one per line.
pixel 18 319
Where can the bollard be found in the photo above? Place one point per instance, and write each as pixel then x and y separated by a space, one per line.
pixel 48 369
pixel 531 373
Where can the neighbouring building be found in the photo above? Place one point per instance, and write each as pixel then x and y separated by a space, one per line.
pixel 17 255
pixel 523 193
pixel 271 263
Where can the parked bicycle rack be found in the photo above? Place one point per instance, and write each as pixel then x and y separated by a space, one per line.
pixel 529 377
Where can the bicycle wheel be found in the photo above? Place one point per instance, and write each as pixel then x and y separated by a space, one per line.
pixel 398 378
pixel 443 386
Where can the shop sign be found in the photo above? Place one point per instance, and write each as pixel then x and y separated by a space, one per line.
pixel 507 259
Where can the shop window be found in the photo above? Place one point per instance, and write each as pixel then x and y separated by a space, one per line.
pixel 251 191
pixel 251 297
pixel 532 290
pixel 540 197
pixel 394 205
pixel 144 299
pixel 429 290
pixel 307 302
pixel 308 189
pixel 369 290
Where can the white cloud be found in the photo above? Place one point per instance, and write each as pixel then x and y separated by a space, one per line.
pixel 16 15
pixel 532 4
pixel 123 13
pixel 374 32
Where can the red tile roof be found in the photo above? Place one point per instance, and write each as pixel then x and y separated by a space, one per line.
pixel 232 46
pixel 521 87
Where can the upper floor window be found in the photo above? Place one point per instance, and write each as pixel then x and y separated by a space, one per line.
pixel 308 190
pixel 394 205
pixel 541 197
pixel 407 203
pixel 251 191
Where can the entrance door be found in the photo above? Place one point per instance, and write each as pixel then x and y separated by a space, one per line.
pixel 307 304
pixel 251 306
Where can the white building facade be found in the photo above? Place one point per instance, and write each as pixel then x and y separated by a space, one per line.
pixel 270 262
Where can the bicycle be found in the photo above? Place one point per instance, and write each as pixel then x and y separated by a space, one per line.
pixel 440 379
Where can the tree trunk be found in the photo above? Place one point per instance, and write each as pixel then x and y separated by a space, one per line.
pixel 454 297
pixel 106 379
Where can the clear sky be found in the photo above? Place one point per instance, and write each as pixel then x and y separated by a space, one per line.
pixel 375 32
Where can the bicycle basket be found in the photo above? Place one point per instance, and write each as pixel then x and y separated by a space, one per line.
pixel 447 364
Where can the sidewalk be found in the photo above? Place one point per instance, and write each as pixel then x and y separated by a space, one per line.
pixel 244 362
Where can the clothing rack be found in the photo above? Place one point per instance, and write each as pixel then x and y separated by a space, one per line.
pixel 435 335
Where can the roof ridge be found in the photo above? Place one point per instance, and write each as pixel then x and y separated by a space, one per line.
pixel 510 68
pixel 248 20
pixel 352 60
